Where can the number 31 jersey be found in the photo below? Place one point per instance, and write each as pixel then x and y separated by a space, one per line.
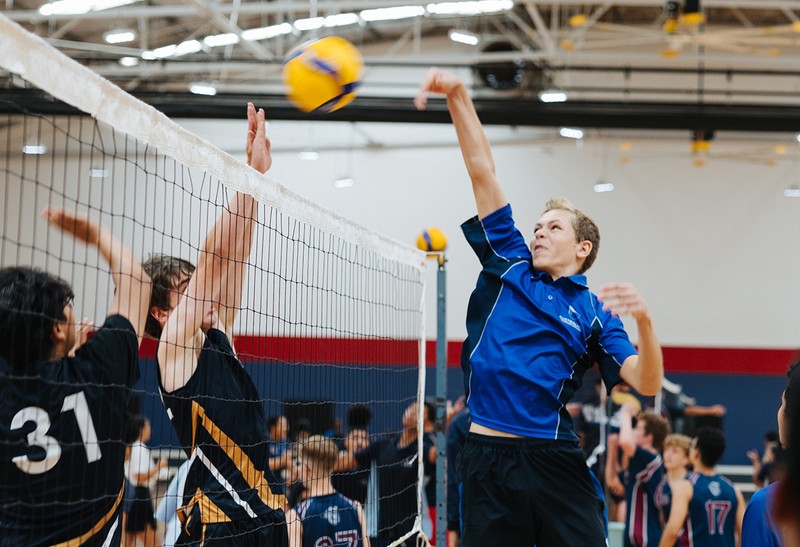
pixel 62 449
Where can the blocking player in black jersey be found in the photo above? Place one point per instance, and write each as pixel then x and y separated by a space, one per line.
pixel 212 401
pixel 62 409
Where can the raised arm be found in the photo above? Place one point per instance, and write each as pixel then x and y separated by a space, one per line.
pixel 627 439
pixel 681 496
pixel 214 292
pixel 131 283
pixel 643 372
pixel 475 149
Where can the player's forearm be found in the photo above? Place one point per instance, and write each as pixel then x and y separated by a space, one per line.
pixel 668 538
pixel 476 152
pixel 649 371
pixel 123 265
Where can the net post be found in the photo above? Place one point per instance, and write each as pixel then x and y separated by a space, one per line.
pixel 441 400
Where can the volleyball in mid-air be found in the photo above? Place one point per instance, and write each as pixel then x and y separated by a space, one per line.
pixel 322 75
pixel 432 240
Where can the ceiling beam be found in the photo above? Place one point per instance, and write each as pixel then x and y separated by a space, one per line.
pixel 513 112
pixel 336 6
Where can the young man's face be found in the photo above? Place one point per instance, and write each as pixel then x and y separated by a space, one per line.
pixel 554 248
pixel 70 328
pixel 641 436
pixel 675 457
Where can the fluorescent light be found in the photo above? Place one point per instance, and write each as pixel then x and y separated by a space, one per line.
pixel 187 47
pixel 173 50
pixel 34 149
pixel 603 186
pixel 98 173
pixel 308 155
pixel 390 14
pixel 344 182
pixel 311 23
pixel 798 137
pixel 341 19
pixel 78 7
pixel 571 133
pixel 218 40
pixel 792 192
pixel 119 36
pixel 263 33
pixel 469 8
pixel 464 37
pixel 129 61
pixel 203 88
pixel 552 96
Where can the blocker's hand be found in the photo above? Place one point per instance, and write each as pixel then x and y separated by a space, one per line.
pixel 258 147
pixel 623 299
pixel 439 82
pixel 78 225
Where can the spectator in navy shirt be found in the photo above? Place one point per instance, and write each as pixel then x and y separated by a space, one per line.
pixel 533 329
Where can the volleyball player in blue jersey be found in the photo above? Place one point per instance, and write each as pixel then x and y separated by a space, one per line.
pixel 713 506
pixel 533 329
pixel 213 404
pixel 63 412
pixel 325 518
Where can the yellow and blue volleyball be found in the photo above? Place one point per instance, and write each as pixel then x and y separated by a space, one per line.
pixel 322 75
pixel 432 240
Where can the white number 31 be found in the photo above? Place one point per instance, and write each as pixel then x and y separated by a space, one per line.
pixel 38 437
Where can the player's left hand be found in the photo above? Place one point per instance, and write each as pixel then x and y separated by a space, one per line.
pixel 77 225
pixel 258 147
pixel 83 329
pixel 623 299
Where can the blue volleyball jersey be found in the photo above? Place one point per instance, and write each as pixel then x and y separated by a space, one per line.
pixel 330 521
pixel 529 338
pixel 221 423
pixel 62 449
pixel 758 528
pixel 712 512
pixel 643 523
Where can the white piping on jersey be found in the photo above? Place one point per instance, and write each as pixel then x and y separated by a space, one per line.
pixel 223 481
pixel 110 536
pixel 485 325
pixel 488 241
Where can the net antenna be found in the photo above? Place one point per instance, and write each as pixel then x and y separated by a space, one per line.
pixel 332 313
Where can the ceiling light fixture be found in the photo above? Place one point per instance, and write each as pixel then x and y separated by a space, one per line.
pixel 119 36
pixel 79 7
pixel 603 186
pixel 312 23
pixel 263 33
pixel 571 133
pixel 391 14
pixel 129 61
pixel 553 96
pixel 341 20
pixel 203 88
pixel 219 40
pixel 792 192
pixel 464 37
pixel 469 8
pixel 308 155
pixel 34 149
pixel 343 182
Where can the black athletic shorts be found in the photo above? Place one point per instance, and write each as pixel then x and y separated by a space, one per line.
pixel 140 513
pixel 528 492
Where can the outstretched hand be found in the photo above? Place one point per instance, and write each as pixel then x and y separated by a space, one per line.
pixel 623 299
pixel 258 147
pixel 78 225
pixel 83 329
pixel 439 82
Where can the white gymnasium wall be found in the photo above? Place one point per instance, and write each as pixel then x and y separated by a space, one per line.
pixel 714 249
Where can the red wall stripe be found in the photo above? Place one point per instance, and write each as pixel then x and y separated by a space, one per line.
pixel 773 362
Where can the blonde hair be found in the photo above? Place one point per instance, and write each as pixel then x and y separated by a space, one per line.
pixel 321 453
pixel 676 439
pixel 585 228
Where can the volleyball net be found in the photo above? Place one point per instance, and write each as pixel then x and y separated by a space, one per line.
pixel 331 322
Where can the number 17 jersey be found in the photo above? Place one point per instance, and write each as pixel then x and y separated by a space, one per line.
pixel 712 512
